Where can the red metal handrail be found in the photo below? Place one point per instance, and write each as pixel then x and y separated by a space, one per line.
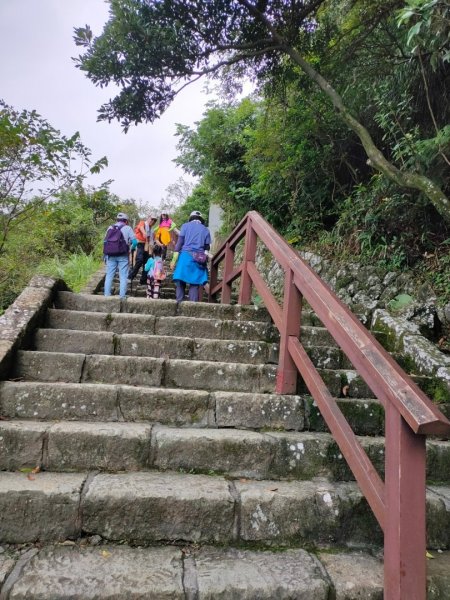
pixel 398 502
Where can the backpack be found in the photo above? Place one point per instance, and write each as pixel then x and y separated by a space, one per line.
pixel 138 232
pixel 159 271
pixel 114 243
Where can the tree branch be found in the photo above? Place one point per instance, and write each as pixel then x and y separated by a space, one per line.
pixel 376 159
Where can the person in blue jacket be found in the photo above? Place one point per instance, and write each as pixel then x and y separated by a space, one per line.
pixel 193 240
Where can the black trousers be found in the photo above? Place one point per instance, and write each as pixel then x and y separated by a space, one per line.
pixel 141 259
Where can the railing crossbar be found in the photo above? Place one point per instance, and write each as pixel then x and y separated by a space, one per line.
pixel 399 502
pixel 365 473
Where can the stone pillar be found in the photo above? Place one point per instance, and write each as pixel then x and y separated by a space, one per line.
pixel 214 224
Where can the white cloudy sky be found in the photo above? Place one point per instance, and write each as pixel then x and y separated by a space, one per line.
pixel 36 72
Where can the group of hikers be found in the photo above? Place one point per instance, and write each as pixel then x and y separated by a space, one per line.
pixel 149 241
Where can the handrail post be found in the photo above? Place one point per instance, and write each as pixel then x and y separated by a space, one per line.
pixel 214 275
pixel 245 290
pixel 290 326
pixel 405 526
pixel 227 270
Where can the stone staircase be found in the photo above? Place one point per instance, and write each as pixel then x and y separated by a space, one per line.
pixel 145 455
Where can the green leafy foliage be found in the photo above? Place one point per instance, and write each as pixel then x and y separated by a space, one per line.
pixel 429 26
pixel 36 162
pixel 63 237
pixel 74 270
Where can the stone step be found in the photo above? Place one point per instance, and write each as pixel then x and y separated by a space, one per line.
pixel 144 371
pixel 153 325
pixel 125 446
pixel 149 507
pixel 162 346
pixel 157 573
pixel 157 346
pixel 92 303
pixel 365 415
pixel 192 408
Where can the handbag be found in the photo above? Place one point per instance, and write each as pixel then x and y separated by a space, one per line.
pixel 200 258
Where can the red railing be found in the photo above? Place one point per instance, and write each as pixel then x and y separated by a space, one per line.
pixel 398 502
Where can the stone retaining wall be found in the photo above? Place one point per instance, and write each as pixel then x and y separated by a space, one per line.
pixel 23 316
pixel 368 291
pixel 95 283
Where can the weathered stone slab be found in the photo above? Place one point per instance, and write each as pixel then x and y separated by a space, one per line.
pixel 438 517
pixel 21 444
pixel 332 379
pixel 58 318
pixel 18 322
pixel 246 575
pixel 438 460
pixel 6 566
pixel 219 376
pixel 365 415
pixel 78 342
pixel 27 307
pixel 123 369
pixel 278 510
pixel 350 380
pixel 315 511
pixel 132 323
pixel 427 357
pixel 44 281
pixel 88 302
pixel 324 357
pixel 155 345
pixel 102 574
pixel 249 330
pixel 235 351
pixel 223 311
pixel 301 455
pixel 393 328
pixel 256 411
pixel 237 453
pixel 168 406
pixel 91 321
pixel 42 506
pixel 49 366
pixel 143 507
pixel 188 327
pixel 354 576
pixel 106 446
pixel 58 401
pixel 339 469
pixel 316 336
pixel 159 308
pixel 438 578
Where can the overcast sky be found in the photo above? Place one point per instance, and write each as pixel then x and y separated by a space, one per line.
pixel 36 72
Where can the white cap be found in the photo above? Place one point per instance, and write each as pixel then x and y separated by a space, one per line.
pixel 122 217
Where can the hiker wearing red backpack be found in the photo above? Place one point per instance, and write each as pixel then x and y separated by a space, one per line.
pixel 116 246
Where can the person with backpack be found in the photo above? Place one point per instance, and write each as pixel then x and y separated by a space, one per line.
pixel 116 246
pixel 155 273
pixel 163 232
pixel 189 260
pixel 145 240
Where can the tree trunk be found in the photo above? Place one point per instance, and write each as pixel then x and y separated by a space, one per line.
pixel 376 158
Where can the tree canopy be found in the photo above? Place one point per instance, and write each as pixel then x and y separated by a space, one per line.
pixel 151 49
